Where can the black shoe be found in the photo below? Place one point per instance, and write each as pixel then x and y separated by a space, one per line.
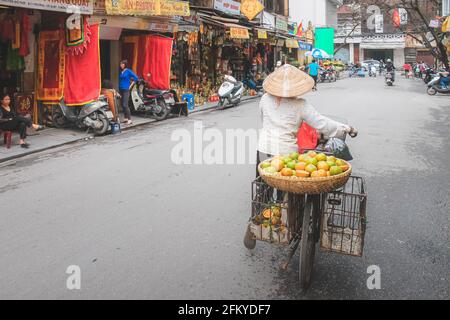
pixel 25 145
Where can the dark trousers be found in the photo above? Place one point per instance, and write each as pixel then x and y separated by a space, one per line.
pixel 125 93
pixel 315 81
pixel 19 124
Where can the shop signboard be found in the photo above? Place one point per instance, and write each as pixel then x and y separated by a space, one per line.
pixel 291 43
pixel 146 8
pixel 325 40
pixel 251 8
pixel 133 7
pixel 68 6
pixel 228 6
pixel 309 36
pixel 281 24
pixel 280 43
pixel 268 20
pixel 163 27
pixel 262 34
pixel 305 46
pixel 175 8
pixel 239 33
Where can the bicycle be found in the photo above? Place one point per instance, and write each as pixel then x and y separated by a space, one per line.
pixel 313 218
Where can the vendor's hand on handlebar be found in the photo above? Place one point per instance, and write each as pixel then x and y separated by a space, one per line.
pixel 353 132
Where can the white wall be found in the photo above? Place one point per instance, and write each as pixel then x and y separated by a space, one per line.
pixel 308 10
pixel 320 12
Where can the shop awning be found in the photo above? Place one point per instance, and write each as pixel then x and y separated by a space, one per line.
pixel 134 23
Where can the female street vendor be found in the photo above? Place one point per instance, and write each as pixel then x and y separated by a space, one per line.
pixel 10 121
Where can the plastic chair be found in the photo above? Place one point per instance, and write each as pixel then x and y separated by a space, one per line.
pixel 190 99
pixel 7 138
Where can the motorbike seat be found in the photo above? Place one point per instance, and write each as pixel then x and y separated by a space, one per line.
pixel 151 96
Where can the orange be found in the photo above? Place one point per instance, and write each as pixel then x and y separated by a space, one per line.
pixel 322 173
pixel 334 171
pixel 311 168
pixel 312 161
pixel 328 174
pixel 345 168
pixel 300 166
pixel 303 158
pixel 302 174
pixel 312 154
pixel 278 164
pixel 286 172
pixel 321 157
pixel 267 213
pixel 319 174
pixel 322 165
pixel 340 162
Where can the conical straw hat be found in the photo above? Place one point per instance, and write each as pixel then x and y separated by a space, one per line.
pixel 288 82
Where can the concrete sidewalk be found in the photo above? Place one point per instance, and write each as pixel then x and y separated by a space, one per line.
pixel 52 138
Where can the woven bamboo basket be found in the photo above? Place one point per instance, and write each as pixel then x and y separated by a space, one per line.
pixel 306 185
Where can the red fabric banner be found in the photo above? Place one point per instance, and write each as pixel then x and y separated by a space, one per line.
pixel 396 18
pixel 158 59
pixel 82 73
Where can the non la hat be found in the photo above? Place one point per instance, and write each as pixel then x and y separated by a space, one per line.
pixel 288 82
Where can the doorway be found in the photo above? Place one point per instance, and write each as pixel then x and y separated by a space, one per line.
pixel 105 59
pixel 379 54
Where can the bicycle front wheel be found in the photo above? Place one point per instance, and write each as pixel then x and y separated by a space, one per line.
pixel 307 243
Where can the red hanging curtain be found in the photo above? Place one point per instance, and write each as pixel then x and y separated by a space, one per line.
pixel 82 73
pixel 158 59
pixel 51 61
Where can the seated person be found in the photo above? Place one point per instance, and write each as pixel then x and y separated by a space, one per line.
pixel 10 121
pixel 111 94
pixel 445 80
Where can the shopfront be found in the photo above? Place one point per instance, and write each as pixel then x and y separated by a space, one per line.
pixel 39 55
pixel 208 49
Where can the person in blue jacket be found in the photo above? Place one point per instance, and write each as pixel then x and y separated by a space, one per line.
pixel 313 70
pixel 125 78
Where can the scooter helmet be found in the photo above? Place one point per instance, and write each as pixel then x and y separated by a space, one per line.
pixel 388 60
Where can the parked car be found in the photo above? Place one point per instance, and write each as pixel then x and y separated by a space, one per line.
pixel 365 64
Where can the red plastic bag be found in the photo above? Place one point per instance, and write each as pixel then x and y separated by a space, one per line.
pixel 307 138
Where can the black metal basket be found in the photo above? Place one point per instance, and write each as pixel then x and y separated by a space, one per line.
pixel 270 221
pixel 343 223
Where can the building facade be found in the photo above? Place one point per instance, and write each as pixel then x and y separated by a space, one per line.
pixel 376 36
pixel 321 13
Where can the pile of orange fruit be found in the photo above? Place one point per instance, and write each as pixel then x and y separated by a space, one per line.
pixel 310 164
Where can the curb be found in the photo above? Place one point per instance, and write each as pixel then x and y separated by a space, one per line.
pixel 17 156
pixel 215 106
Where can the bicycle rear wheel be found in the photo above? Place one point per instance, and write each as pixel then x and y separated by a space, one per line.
pixel 308 242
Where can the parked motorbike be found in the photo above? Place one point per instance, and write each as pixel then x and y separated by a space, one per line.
pixel 153 103
pixel 389 78
pixel 95 115
pixel 327 75
pixel 230 91
pixel 434 86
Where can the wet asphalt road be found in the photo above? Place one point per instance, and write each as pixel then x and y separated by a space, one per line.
pixel 141 227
